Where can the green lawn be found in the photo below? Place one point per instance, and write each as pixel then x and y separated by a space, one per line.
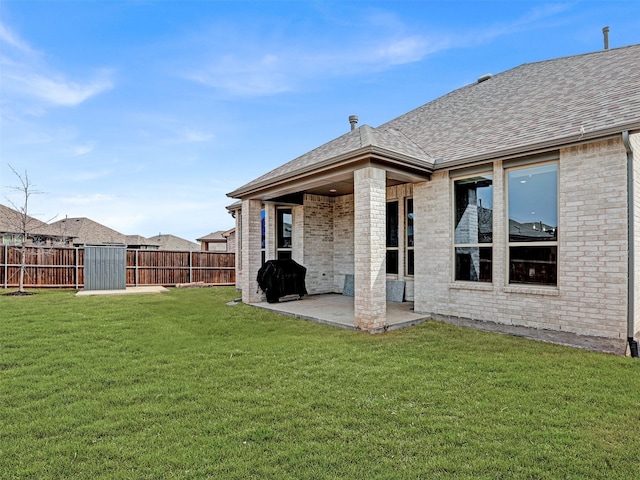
pixel 180 385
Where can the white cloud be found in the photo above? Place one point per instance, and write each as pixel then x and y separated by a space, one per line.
pixel 11 39
pixel 242 63
pixel 56 91
pixel 24 75
pixel 191 135
pixel 79 150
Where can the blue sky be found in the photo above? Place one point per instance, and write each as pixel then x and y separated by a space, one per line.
pixel 142 115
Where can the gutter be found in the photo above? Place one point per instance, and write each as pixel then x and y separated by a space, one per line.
pixel 633 344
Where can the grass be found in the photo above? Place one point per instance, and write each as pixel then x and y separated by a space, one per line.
pixel 180 385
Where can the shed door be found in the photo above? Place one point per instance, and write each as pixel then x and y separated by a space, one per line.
pixel 105 268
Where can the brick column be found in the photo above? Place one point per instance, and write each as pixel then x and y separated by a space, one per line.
pixel 270 229
pixel 370 302
pixel 251 255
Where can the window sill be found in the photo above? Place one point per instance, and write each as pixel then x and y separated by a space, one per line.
pixel 483 286
pixel 553 291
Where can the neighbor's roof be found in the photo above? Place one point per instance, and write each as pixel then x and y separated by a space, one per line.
pixel 530 107
pixel 213 237
pixel 11 221
pixel 85 231
pixel 138 240
pixel 171 242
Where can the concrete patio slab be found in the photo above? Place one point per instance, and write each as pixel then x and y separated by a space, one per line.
pixel 337 310
pixel 127 291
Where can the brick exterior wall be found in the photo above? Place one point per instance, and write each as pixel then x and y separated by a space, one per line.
pixel 317 238
pixel 635 145
pixel 334 237
pixel 343 231
pixel 591 296
pixel 251 257
pixel 369 248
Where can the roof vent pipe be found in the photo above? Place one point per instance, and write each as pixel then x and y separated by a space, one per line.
pixel 353 120
pixel 605 32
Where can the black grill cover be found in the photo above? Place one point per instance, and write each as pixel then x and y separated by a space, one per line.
pixel 277 278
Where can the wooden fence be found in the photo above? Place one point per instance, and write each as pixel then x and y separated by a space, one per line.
pixel 64 267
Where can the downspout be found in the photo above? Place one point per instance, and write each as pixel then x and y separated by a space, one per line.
pixel 633 344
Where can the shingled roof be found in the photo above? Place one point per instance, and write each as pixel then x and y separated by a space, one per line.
pixel 85 231
pixel 11 221
pixel 535 106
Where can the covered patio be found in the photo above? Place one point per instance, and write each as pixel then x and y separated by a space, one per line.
pixel 338 310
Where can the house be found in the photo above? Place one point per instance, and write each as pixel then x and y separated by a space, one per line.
pixel 82 231
pixel 513 201
pixel 139 242
pixel 15 226
pixel 171 242
pixel 220 241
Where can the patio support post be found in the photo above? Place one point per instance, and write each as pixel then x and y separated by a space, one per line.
pixel 251 251
pixel 370 307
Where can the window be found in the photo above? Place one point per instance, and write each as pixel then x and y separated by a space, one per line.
pixel 409 244
pixel 533 224
pixel 473 236
pixel 392 237
pixel 284 232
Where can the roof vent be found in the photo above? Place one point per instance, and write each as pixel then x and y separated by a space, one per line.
pixel 605 32
pixel 353 120
pixel 484 78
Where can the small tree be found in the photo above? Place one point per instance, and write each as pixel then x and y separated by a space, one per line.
pixel 22 222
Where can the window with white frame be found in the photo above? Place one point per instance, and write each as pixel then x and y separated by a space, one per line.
pixel 473 234
pixel 392 237
pixel 410 238
pixel 533 224
pixel 284 228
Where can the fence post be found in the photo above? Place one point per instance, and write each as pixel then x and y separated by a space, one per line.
pixel 76 269
pixel 6 266
pixel 190 266
pixel 135 268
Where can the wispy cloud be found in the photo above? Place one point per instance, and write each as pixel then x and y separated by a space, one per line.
pixel 192 135
pixel 380 41
pixel 25 75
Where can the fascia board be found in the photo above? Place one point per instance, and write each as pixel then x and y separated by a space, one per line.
pixel 536 148
pixel 355 157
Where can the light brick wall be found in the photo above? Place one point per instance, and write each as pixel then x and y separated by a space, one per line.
pixel 298 229
pixel 635 145
pixel 251 257
pixel 270 231
pixel 343 231
pixel 591 298
pixel 369 248
pixel 317 239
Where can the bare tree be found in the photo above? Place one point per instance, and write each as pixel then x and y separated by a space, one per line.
pixel 22 222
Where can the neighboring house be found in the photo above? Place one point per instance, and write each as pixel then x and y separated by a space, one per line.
pixel 84 231
pixel 220 241
pixel 140 243
pixel 14 224
pixel 171 242
pixel 513 200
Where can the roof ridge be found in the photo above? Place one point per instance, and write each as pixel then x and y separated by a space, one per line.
pixel 400 132
pixel 367 136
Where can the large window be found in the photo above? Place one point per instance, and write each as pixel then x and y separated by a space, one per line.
pixel 392 237
pixel 409 244
pixel 533 224
pixel 473 236
pixel 284 232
